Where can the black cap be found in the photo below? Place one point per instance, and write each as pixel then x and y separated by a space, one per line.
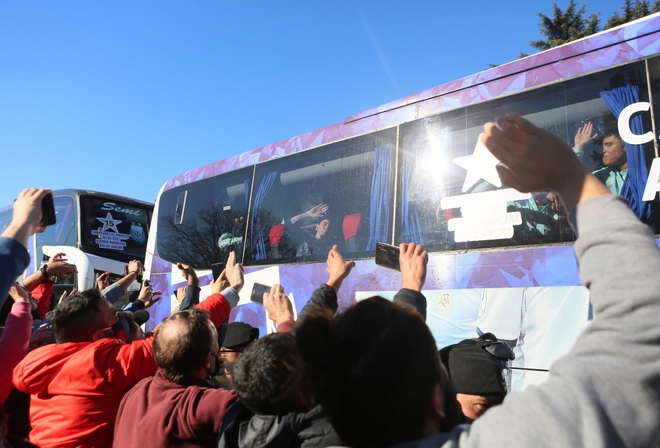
pixel 240 334
pixel 474 370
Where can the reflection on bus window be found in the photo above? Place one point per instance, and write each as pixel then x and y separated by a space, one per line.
pixel 437 155
pixel 336 195
pixel 202 223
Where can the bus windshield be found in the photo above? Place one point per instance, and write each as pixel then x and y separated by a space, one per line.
pixel 113 229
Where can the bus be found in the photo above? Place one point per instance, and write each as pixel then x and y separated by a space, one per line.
pixel 97 232
pixel 413 170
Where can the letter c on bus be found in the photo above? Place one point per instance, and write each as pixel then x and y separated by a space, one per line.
pixel 624 124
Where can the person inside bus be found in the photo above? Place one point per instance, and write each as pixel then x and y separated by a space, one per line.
pixel 232 239
pixel 314 239
pixel 614 157
pixel 348 359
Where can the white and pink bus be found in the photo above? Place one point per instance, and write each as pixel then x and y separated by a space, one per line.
pixel 413 170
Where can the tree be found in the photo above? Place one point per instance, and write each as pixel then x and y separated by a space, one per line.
pixel 565 26
pixel 632 11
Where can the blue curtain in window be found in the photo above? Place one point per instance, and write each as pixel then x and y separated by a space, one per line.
pixel 380 189
pixel 633 187
pixel 409 216
pixel 246 182
pixel 258 246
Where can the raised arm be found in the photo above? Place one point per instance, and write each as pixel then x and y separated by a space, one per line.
pixel 191 295
pixel 279 308
pixel 221 301
pixel 326 295
pixel 412 260
pixel 619 261
pixel 26 217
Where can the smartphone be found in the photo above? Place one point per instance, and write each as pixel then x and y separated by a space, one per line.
pixel 258 291
pixel 217 269
pixel 48 217
pixel 387 256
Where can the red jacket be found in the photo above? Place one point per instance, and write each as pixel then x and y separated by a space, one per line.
pixel 76 387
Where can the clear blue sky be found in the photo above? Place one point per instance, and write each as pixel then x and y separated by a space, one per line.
pixel 119 96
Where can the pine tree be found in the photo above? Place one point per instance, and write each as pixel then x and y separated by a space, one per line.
pixel 566 26
pixel 632 11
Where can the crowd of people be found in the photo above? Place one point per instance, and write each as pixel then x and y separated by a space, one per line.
pixel 371 376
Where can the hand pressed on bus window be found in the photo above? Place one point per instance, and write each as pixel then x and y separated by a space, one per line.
pixel 277 304
pixel 413 260
pixel 234 272
pixel 583 136
pixel 338 269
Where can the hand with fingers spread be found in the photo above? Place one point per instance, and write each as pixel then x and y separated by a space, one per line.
pixel 413 260
pixel 277 304
pixel 148 295
pixel 315 212
pixel 66 294
pixel 533 159
pixel 338 269
pixel 584 136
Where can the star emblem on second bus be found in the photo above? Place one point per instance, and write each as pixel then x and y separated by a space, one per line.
pixel 480 165
pixel 109 223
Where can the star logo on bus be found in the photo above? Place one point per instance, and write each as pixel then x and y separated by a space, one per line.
pixel 109 223
pixel 480 165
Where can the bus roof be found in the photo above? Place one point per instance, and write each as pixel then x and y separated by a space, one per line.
pixel 75 191
pixel 602 50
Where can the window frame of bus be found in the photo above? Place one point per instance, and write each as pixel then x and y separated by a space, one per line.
pixel 316 160
pixel 187 197
pixel 473 127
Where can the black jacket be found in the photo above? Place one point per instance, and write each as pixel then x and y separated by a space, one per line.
pixel 241 428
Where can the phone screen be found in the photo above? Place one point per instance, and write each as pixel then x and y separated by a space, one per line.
pixel 258 291
pixel 217 269
pixel 387 256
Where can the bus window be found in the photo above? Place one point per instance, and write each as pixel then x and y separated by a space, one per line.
pixel 202 222
pixel 339 194
pixel 113 229
pixel 426 175
pixel 535 218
